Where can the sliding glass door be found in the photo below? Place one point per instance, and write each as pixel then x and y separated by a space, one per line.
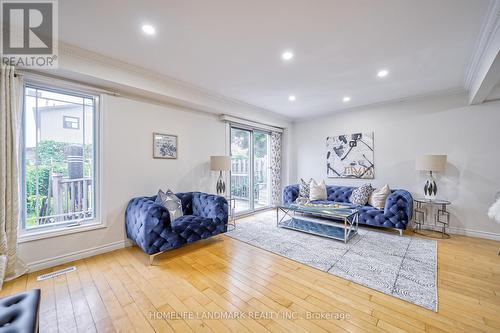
pixel 241 168
pixel 250 172
pixel 261 170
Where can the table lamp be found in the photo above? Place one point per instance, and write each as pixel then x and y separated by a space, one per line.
pixel 220 163
pixel 431 163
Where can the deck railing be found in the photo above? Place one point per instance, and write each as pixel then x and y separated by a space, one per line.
pixel 240 177
pixel 67 200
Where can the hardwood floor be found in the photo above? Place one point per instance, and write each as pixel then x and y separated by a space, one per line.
pixel 119 291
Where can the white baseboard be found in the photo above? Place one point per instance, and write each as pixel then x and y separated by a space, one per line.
pixel 65 258
pixel 473 233
pixel 463 232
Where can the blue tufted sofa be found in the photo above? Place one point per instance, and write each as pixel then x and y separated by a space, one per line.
pixel 396 214
pixel 148 224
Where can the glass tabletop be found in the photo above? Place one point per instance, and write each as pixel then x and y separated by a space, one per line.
pixel 434 201
pixel 326 210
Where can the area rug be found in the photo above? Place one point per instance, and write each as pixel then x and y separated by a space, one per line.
pixel 401 266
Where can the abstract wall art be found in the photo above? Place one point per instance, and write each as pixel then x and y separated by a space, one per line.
pixel 350 156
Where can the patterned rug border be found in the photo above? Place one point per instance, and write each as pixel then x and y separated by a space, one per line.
pixel 228 234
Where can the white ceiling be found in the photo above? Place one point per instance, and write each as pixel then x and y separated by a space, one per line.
pixel 233 47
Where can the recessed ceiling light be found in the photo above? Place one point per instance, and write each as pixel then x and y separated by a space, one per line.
pixel 148 29
pixel 287 55
pixel 292 98
pixel 382 73
pixel 346 99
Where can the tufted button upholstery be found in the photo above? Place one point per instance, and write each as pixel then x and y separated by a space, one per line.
pixel 339 193
pixel 148 224
pixel 290 194
pixel 193 228
pixel 396 214
pixel 19 312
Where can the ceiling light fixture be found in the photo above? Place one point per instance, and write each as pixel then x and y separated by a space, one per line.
pixel 287 55
pixel 346 99
pixel 382 73
pixel 148 29
pixel 292 98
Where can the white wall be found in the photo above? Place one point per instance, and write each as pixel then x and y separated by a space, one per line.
pixel 469 135
pixel 130 170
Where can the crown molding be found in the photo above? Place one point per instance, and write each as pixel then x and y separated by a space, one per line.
pixel 86 55
pixel 410 98
pixel 490 25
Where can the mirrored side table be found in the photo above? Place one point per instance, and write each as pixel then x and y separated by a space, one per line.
pixel 437 208
pixel 232 213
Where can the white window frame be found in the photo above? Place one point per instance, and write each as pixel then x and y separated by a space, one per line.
pixel 98 221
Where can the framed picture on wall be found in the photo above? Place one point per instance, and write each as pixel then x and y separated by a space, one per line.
pixel 164 146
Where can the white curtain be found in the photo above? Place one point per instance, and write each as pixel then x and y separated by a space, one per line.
pixel 276 168
pixel 10 131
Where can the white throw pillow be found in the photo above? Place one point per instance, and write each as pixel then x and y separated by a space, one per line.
pixel 379 196
pixel 317 191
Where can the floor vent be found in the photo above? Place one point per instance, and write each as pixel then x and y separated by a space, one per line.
pixel 56 273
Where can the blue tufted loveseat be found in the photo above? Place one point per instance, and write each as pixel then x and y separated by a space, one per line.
pixel 148 223
pixel 396 214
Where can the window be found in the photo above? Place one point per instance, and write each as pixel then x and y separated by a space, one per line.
pixel 250 172
pixel 59 166
pixel 71 122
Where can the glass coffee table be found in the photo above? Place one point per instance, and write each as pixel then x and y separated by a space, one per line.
pixel 298 217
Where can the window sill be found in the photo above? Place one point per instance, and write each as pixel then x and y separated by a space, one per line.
pixel 30 236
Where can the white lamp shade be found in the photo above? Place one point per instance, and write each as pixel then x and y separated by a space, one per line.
pixel 431 163
pixel 220 163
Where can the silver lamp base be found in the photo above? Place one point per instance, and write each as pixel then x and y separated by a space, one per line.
pixel 430 187
pixel 221 185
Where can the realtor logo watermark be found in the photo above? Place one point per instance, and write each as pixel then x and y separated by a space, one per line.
pixel 29 33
